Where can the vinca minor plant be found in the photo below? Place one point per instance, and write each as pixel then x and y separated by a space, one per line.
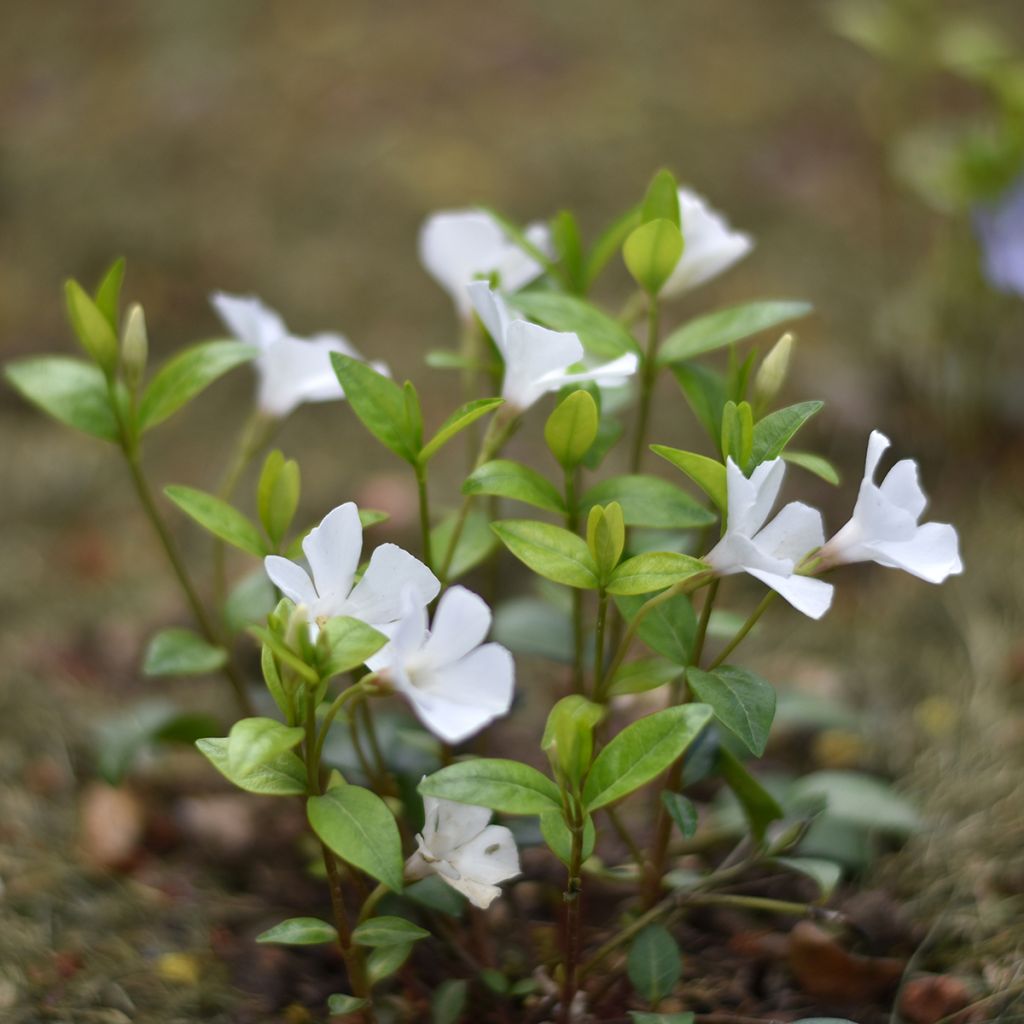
pixel 635 563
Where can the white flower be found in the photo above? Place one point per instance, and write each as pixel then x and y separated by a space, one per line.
pixel 710 246
pixel 537 359
pixel 770 553
pixel 291 370
pixel 457 246
pixel 332 550
pixel 884 526
pixel 458 844
pixel 455 682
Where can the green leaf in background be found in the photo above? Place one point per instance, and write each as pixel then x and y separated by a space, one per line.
pixel 448 1001
pixel 95 332
pixel 642 675
pixel 345 644
pixel 651 253
pixel 507 786
pixel 559 839
pixel 642 751
pixel 388 931
pixel 504 478
pixel 379 403
pixel 181 652
pixel 385 960
pixel 654 571
pixel 858 799
pixel 463 417
pixel 608 433
pixel 816 464
pixel 356 825
pixel 760 808
pixel 668 629
pixel 253 742
pixel 640 1017
pixel 251 600
pixel 220 518
pixel 776 430
pixel 108 293
pixel 682 811
pixel 600 334
pixel 609 242
pixel 826 874
pixel 550 551
pixel 571 428
pixel 476 542
pixel 67 389
pixel 662 199
pixel 706 473
pixel 447 359
pixel 528 625
pixel 300 931
pixel 413 415
pixel 654 963
pixel 277 495
pixel 565 233
pixel 726 326
pixel 649 501
pixel 705 391
pixel 340 1003
pixel 185 375
pixel 284 776
pixel 742 701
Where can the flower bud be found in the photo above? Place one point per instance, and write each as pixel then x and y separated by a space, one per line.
pixel 134 346
pixel 771 374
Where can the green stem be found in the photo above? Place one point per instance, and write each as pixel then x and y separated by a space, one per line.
pixel 742 632
pixel 602 616
pixel 571 896
pixel 649 373
pixel 424 503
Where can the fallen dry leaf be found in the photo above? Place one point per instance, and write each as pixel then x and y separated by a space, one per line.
pixel 824 969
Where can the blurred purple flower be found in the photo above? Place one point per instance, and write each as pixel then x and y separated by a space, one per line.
pixel 1000 229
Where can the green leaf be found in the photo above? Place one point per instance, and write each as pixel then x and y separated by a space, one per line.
pixel 300 931
pixel 67 389
pixel 639 1017
pixel 643 675
pixel 499 784
pixel 185 375
pixel 651 253
pixel 600 334
pixel 504 478
pixel 527 625
pixel 379 403
pixel 642 751
pixel 549 551
pixel 858 799
pixel 568 738
pixel 606 537
pixel 653 571
pixel 826 874
pixel 277 495
pixel 705 391
pixel 742 701
pixel 220 518
pixel 559 839
pixel 654 963
pixel 649 501
pixel 609 242
pixel 345 643
pixel 413 415
pixel 385 960
pixel 456 423
pixel 706 473
pixel 448 1001
pixel 775 431
pixel 284 776
pixel 609 432
pixel 251 600
pixel 341 1003
pixel 388 931
pixel 726 326
pixel 816 464
pixel 446 359
pixel 476 542
pixel 682 812
pixel 357 825
pixel 760 808
pixel 737 432
pixel 254 742
pixel 669 628
pixel 565 233
pixel 96 334
pixel 181 652
pixel 662 198
pixel 108 294
pixel 571 428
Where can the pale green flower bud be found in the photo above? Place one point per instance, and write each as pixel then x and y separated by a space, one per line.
pixel 771 374
pixel 134 346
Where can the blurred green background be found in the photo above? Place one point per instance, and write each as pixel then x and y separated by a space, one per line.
pixel 293 150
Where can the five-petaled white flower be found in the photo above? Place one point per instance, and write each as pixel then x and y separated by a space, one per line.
pixel 291 370
pixel 458 844
pixel 884 526
pixel 455 682
pixel 332 550
pixel 710 246
pixel 536 359
pixel 457 246
pixel 770 553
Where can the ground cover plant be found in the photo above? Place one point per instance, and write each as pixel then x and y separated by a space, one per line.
pixel 630 583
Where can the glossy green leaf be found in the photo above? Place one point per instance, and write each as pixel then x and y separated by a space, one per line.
pixel 182 652
pixel 277 495
pixel 600 334
pixel 706 473
pixel 185 375
pixel 643 675
pixel 340 1003
pixel 507 786
pixel 385 960
pixel 388 931
pixel 379 403
pixel 357 826
pixel 217 516
pixel 559 839
pixel 669 627
pixel 568 738
pixel 649 501
pixel 705 391
pixel 737 440
pixel 96 334
pixel 284 776
pixel 742 701
pixel 653 571
pixel 606 537
pixel 504 478
pixel 571 428
pixel 726 326
pixel 108 294
pixel 776 430
pixel 682 811
pixel 651 253
pixel 476 542
pixel 253 742
pixel 549 551
pixel 662 198
pixel 300 931
pixel 654 964
pixel 345 643
pixel 448 1001
pixel 463 417
pixel 816 464
pixel 642 751
pixel 67 389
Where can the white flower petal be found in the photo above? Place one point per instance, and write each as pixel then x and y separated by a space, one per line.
pixel 796 531
pixel 608 375
pixel 248 319
pixel 293 371
pixel 932 554
pixel 460 623
pixel 751 500
pixel 332 550
pixel 489 857
pixel 291 579
pixel 810 596
pixel 479 895
pixel 534 356
pixel 377 597
pixel 902 487
pixel 877 445
pixel 493 312
pixel 448 824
